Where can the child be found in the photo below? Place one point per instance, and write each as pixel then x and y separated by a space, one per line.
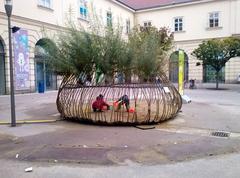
pixel 124 100
pixel 99 104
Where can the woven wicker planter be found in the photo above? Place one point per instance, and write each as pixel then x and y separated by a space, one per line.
pixel 150 103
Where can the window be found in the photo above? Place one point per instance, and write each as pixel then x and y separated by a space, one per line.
pixel 178 24
pixel 213 19
pixel 147 24
pixel 83 9
pixel 109 19
pixel 128 26
pixel 45 3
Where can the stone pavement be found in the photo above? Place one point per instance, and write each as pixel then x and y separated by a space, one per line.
pixel 230 87
pixel 32 106
pixel 225 166
pixel 67 145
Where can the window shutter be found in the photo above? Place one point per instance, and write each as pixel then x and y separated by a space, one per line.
pixel 173 25
pixel 208 19
pixel 183 24
pixel 220 19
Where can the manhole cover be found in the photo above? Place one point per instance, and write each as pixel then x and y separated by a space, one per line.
pixel 220 134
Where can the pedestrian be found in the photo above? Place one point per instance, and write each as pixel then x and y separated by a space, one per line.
pixel 123 100
pixel 99 104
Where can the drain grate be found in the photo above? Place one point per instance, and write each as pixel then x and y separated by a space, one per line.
pixel 220 134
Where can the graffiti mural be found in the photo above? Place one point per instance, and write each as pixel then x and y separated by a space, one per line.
pixel 21 58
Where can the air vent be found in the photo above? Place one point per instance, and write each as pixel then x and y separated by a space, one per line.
pixel 220 134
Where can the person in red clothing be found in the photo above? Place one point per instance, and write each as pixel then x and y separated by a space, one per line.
pixel 99 104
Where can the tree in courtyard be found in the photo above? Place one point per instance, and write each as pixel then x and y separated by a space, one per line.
pixel 216 52
pixel 149 47
pixel 96 50
pixel 72 53
pixel 103 51
pixel 113 55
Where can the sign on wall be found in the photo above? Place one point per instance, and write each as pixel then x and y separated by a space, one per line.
pixel 21 58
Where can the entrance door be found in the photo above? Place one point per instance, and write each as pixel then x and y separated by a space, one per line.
pixel 173 72
pixel 40 73
pixel 2 70
pixel 51 80
pixel 46 77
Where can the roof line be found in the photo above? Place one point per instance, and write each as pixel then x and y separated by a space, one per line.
pixel 171 4
pixel 126 5
pixel 158 6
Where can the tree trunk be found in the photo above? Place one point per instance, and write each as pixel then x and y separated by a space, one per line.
pixel 217 79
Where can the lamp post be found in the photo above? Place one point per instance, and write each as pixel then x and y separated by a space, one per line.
pixel 8 9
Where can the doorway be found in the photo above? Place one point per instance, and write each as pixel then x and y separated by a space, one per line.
pixel 44 75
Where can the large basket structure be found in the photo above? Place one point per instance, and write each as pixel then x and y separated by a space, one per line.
pixel 150 103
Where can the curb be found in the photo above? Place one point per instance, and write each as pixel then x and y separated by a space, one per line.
pixel 29 122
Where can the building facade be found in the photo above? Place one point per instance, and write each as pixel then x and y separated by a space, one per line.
pixel 195 21
pixel 39 19
pixel 192 21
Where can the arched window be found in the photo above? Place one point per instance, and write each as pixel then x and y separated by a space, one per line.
pixel 173 67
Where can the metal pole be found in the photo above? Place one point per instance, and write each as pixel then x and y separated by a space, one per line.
pixel 44 75
pixel 13 115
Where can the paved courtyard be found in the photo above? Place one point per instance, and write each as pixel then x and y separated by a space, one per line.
pixel 65 148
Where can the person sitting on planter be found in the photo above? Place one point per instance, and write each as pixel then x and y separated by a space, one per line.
pixel 99 104
pixel 124 100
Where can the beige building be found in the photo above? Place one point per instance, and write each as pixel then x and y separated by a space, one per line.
pixel 195 21
pixel 192 21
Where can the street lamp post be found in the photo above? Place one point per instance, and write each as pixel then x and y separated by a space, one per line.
pixel 8 9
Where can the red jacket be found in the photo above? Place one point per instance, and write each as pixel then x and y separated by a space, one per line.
pixel 99 104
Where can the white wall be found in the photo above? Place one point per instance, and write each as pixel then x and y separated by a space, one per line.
pixel 120 14
pixel 33 18
pixel 235 16
pixel 100 8
pixel 60 10
pixel 232 70
pixel 28 15
pixel 196 19
pixel 30 9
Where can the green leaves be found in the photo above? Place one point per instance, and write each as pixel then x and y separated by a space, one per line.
pixel 72 54
pixel 149 47
pixel 217 52
pixel 79 52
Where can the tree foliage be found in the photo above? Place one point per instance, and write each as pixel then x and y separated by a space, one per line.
pixel 149 47
pixel 104 50
pixel 73 54
pixel 216 52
